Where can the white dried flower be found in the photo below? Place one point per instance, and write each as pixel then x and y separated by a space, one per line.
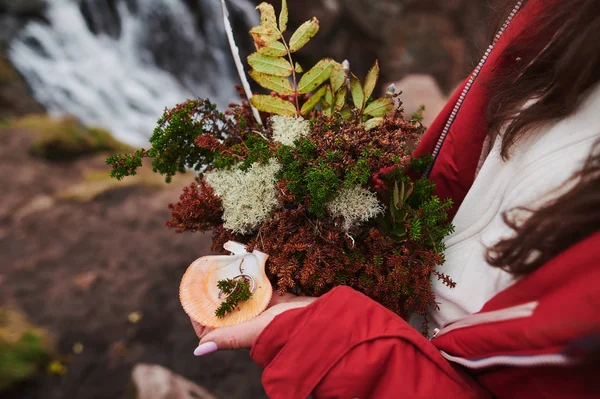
pixel 287 129
pixel 248 197
pixel 355 205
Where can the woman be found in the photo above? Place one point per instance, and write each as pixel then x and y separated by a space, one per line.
pixel 515 150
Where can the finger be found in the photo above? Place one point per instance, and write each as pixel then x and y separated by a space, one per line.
pixel 277 299
pixel 287 297
pixel 244 335
pixel 199 329
pixel 239 336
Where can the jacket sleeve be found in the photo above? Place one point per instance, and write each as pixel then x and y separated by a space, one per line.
pixel 345 345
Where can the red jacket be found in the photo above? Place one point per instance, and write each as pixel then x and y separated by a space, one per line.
pixel 524 343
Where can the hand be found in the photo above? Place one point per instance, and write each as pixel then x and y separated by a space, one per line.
pixel 244 335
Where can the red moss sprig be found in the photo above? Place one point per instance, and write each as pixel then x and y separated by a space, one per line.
pixel 198 209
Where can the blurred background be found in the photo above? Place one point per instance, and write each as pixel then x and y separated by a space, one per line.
pixel 89 274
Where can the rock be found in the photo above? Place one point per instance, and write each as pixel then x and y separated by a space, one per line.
pixel 85 281
pixel 420 90
pixel 66 138
pixel 38 204
pixel 23 7
pixel 14 14
pixel 24 348
pixel 157 382
pixel 15 98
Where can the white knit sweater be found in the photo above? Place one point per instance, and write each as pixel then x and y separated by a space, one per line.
pixel 538 169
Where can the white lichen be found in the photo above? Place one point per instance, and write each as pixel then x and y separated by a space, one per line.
pixel 287 129
pixel 248 196
pixel 355 205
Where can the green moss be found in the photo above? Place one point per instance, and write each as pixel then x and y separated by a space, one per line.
pixel 258 151
pixel 306 150
pixel 420 165
pixel 65 138
pixel 24 349
pixel 418 116
pixel 174 148
pixel 358 174
pixel 237 291
pixel 291 170
pixel 322 183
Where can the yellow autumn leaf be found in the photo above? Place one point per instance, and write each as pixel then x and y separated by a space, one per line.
pixel 303 34
pixel 312 102
pixel 358 95
pixel 283 16
pixel 270 65
pixel 272 49
pixel 371 80
pixel 315 76
pixel 338 76
pixel 267 15
pixel 273 105
pixel 279 84
pixel 373 123
pixel 380 107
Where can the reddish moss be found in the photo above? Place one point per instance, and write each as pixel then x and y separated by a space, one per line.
pixel 198 209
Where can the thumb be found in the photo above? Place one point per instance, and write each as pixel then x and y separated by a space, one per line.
pixel 243 336
pixel 239 336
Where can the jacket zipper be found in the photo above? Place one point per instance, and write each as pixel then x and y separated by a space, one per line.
pixel 512 313
pixel 467 87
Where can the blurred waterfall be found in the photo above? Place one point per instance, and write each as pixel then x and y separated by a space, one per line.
pixel 119 63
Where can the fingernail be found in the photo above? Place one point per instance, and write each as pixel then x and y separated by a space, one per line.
pixel 205 349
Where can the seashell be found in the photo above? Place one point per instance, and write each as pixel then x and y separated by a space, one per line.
pixel 200 296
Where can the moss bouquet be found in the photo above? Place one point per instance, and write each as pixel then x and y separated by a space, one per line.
pixel 324 186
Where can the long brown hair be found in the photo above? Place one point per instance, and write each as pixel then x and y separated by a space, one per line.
pixel 554 227
pixel 558 63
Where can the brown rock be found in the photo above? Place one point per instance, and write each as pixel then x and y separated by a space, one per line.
pixel 15 98
pixel 420 90
pixel 156 382
pixel 85 281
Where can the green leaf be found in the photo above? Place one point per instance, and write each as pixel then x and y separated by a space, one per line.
pixel 263 35
pixel 396 195
pixel 371 80
pixel 358 95
pixel 303 34
pixel 338 76
pixel 299 68
pixel 328 101
pixel 273 105
pixel 411 187
pixel 380 107
pixel 277 83
pixel 316 76
pixel 373 123
pixel 401 215
pixel 312 102
pixel 328 96
pixel 399 231
pixel 346 113
pixel 340 98
pixel 267 15
pixel 272 49
pixel 283 16
pixel 400 200
pixel 270 65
